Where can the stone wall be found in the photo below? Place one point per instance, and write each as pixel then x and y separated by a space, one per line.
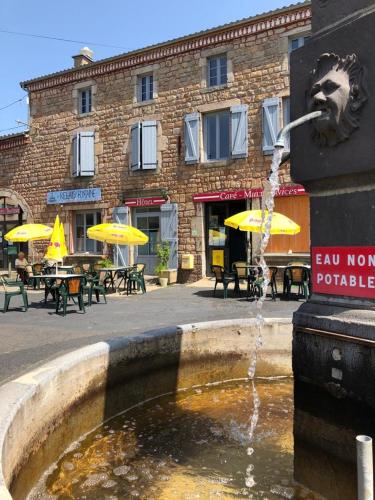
pixel 257 69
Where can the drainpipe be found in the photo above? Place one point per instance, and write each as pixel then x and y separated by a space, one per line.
pixel 365 478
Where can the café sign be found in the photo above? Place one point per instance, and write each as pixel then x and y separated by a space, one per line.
pixel 348 271
pixel 246 194
pixel 74 196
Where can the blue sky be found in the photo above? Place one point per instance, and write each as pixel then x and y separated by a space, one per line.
pixel 121 23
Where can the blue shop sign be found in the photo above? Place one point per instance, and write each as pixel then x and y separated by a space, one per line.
pixel 74 196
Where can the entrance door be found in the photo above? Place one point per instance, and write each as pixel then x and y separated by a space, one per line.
pixel 224 245
pixel 11 215
pixel 148 221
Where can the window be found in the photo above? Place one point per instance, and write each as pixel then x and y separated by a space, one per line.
pixel 217 71
pixel 271 123
pixel 83 154
pixel 84 101
pixel 216 135
pixel 225 135
pixel 143 138
pixel 296 43
pixel 146 87
pixel 84 220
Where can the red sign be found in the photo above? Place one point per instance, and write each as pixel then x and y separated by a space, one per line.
pixel 144 202
pixel 346 271
pixel 245 194
pixel 9 211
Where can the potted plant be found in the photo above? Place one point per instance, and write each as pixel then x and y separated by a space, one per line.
pixel 163 252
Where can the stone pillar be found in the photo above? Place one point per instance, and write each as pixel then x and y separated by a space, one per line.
pixel 334 159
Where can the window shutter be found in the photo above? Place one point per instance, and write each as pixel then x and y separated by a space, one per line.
pixel 87 153
pixel 239 131
pixel 169 231
pixel 75 156
pixel 135 140
pixel 270 123
pixel 149 145
pixel 286 120
pixel 191 138
pixel 120 215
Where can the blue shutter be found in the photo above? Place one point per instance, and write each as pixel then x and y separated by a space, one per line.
pixel 87 153
pixel 75 156
pixel 149 145
pixel 169 231
pixel 270 123
pixel 191 137
pixel 239 131
pixel 135 140
pixel 120 215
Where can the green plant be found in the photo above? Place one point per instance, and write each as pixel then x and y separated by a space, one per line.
pixel 105 263
pixel 163 252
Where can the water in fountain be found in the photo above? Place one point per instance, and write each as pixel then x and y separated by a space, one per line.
pixel 268 203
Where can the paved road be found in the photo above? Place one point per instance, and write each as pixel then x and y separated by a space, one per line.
pixel 31 338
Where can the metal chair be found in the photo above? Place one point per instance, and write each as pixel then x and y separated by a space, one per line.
pixel 221 276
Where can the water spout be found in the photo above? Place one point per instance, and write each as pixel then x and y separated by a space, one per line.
pixel 280 141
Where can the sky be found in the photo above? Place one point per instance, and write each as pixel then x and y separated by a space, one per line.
pixel 122 24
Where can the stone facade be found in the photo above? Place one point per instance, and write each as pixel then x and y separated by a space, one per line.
pixel 257 53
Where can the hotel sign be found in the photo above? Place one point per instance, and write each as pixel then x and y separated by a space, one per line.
pixel 145 202
pixel 74 196
pixel 246 194
pixel 348 271
pixel 9 210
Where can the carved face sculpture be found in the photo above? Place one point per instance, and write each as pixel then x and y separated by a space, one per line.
pixel 337 88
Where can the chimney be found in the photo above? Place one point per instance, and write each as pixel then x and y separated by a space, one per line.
pixel 84 57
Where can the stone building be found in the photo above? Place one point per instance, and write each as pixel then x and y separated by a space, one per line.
pixel 172 138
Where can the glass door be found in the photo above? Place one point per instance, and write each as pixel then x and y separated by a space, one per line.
pixel 148 221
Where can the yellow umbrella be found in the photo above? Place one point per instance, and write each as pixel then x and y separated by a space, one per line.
pixel 251 220
pixel 117 234
pixel 64 250
pixel 29 232
pixel 55 250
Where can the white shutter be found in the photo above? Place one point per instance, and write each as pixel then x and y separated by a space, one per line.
pixel 75 156
pixel 135 140
pixel 191 138
pixel 169 231
pixel 271 123
pixel 87 153
pixel 120 215
pixel 149 145
pixel 239 131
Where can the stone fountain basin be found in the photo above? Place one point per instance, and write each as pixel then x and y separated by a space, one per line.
pixel 71 395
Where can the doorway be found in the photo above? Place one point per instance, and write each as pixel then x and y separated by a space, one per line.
pixel 224 245
pixel 147 220
pixel 11 216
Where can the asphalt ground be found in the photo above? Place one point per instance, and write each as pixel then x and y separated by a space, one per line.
pixel 28 339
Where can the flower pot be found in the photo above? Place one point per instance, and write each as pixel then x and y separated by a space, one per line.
pixel 170 274
pixel 163 281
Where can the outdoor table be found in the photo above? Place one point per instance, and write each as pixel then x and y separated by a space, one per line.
pixel 112 271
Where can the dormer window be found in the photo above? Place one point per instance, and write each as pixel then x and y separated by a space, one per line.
pixel 84 101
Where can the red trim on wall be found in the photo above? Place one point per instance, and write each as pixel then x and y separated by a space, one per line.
pixel 144 202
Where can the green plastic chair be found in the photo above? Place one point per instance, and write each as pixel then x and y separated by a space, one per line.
pixel 70 288
pixel 135 281
pixel 98 285
pixel 221 276
pixel 12 288
pixel 298 276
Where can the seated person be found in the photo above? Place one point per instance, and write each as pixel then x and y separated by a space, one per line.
pixel 20 264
